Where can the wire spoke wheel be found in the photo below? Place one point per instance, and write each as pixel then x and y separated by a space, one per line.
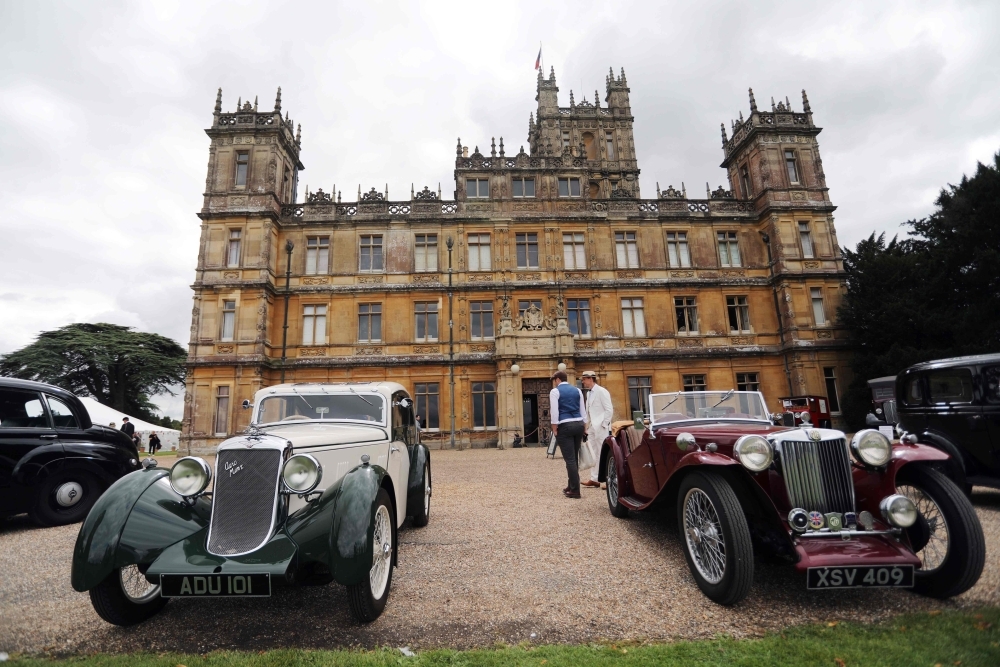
pixel 703 534
pixel 935 551
pixel 135 586
pixel 427 491
pixel 612 481
pixel 381 552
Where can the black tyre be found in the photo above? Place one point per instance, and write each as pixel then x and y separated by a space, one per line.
pixel 614 501
pixel 947 536
pixel 367 599
pixel 715 536
pixel 65 497
pixel 421 501
pixel 126 598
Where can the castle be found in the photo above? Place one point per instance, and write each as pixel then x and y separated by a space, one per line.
pixel 544 259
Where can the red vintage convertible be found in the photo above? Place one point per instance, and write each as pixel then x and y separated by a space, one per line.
pixel 868 513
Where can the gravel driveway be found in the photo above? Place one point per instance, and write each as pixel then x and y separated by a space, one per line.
pixel 505 559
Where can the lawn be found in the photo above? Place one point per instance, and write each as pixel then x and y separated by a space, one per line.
pixel 935 639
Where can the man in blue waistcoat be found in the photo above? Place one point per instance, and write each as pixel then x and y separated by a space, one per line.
pixel 567 409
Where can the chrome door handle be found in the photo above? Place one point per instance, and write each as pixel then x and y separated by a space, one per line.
pixel 393 449
pixel 647 465
pixel 49 437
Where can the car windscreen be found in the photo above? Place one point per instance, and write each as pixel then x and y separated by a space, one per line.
pixel 686 405
pixel 322 407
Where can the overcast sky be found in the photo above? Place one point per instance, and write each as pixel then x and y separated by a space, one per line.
pixel 103 154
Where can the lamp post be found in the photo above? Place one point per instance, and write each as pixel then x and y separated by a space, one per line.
pixel 777 310
pixel 451 343
pixel 284 331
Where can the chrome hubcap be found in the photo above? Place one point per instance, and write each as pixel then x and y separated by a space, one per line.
pixel 69 494
pixel 427 492
pixel 135 586
pixel 935 551
pixel 378 576
pixel 703 535
pixel 612 481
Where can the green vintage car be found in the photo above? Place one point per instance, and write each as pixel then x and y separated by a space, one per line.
pixel 313 492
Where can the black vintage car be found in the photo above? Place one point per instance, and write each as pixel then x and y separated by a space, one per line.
pixel 954 405
pixel 55 463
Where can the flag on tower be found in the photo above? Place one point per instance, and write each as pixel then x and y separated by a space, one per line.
pixel 538 60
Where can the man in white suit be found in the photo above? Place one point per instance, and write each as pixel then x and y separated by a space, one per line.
pixel 599 416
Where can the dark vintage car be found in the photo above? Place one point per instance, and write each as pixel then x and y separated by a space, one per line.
pixel 863 514
pixel 883 408
pixel 54 463
pixel 313 492
pixel 954 405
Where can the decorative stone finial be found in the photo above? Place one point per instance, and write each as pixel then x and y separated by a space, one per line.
pixel 597 100
pixel 623 75
pixel 657 189
pixel 724 138
pixel 239 103
pixel 741 116
pixel 218 100
pixel 805 102
pixel 552 74
pixel 571 101
pixel 753 102
pixel 458 149
pixel 298 134
pixel 788 105
pixel 501 147
pixel 684 190
pixel 493 146
pixel 773 107
pixel 708 190
pixel 255 104
pixel 277 101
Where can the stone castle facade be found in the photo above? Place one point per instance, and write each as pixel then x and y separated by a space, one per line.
pixel 543 258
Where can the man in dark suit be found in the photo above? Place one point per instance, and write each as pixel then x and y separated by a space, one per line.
pixel 128 428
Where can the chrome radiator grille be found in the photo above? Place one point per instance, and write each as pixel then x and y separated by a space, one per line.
pixel 818 475
pixel 243 501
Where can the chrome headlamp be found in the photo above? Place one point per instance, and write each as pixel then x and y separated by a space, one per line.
pixel 189 477
pixel 754 452
pixel 301 473
pixel 899 511
pixel 871 448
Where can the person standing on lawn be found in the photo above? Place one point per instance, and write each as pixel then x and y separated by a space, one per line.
pixel 567 410
pixel 154 443
pixel 599 415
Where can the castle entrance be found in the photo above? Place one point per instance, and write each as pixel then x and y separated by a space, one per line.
pixel 535 407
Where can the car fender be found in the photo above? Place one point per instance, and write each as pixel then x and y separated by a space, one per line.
pixel 106 460
pixel 419 459
pixel 336 528
pixel 612 445
pixel 37 464
pixel 955 468
pixel 872 485
pixel 132 522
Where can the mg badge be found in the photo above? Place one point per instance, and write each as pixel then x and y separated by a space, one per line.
pixel 816 520
pixel 851 520
pixel 835 521
pixel 866 519
pixel 815 435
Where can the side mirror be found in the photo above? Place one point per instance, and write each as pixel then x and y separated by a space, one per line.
pixel 639 422
pixel 405 403
pixel 246 404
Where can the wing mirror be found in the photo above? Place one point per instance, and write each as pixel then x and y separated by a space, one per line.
pixel 405 403
pixel 686 442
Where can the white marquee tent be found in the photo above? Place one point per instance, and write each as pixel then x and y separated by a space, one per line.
pixel 102 414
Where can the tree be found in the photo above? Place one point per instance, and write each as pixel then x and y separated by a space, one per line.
pixel 116 365
pixel 934 295
pixel 167 422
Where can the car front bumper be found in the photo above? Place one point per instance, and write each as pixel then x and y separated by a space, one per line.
pixel 190 557
pixel 855 552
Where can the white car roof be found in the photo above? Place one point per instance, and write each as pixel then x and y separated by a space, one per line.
pixel 387 389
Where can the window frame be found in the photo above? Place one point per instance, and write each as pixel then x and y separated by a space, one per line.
pixel 691 382
pixel 480 182
pixel 243 173
pixel 740 312
pixel 609 142
pixel 748 381
pixel 806 245
pixel 631 309
pixel 314 321
pixel 234 246
pixel 486 388
pixel 639 388
pixel 792 166
pixel 318 255
pixel 816 297
pixel 625 247
pixel 746 181
pixel 421 401
pixel 729 240
pixel 371 245
pixel 228 314
pixel 577 245
pixel 425 245
pixel 830 380
pixel 676 242
pixel 690 310
pixel 523 182
pixel 580 309
pixel 479 245
pixel 222 409
pixel 475 309
pixel 570 181
pixel 529 239
pixel 429 312
pixel 370 315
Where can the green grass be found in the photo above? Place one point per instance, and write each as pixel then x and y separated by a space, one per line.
pixel 946 639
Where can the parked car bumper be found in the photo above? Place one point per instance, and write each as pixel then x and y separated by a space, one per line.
pixel 856 552
pixel 190 557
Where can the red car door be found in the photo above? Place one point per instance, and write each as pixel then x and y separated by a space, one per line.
pixel 642 470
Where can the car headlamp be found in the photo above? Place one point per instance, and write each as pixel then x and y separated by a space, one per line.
pixel 871 448
pixel 754 452
pixel 301 473
pixel 190 476
pixel 899 511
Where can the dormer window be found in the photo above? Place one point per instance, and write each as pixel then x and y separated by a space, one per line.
pixel 477 188
pixel 242 165
pixel 524 187
pixel 793 171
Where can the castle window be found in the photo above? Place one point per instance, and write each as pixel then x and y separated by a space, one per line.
pixel 484 405
pixel 745 182
pixel 578 316
pixel 677 249
pixel 427 320
pixel 233 250
pixel 314 325
pixel 427 397
pixel 477 188
pixel 832 395
pixel 695 383
pixel 729 249
pixel 638 393
pixel 626 250
pixel 370 258
pixel 686 308
pixel 609 139
pixel 574 251
pixel 565 138
pixel 228 321
pixel 819 311
pixel 242 165
pixel 739 314
pixel 633 319
pixel 426 255
pixel 790 164
pixel 481 316
pixel 569 187
pixel 524 187
pixel 369 322
pixel 747 382
pixel 527 251
pixel 317 254
pixel 222 410
pixel 805 239
pixel 479 252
